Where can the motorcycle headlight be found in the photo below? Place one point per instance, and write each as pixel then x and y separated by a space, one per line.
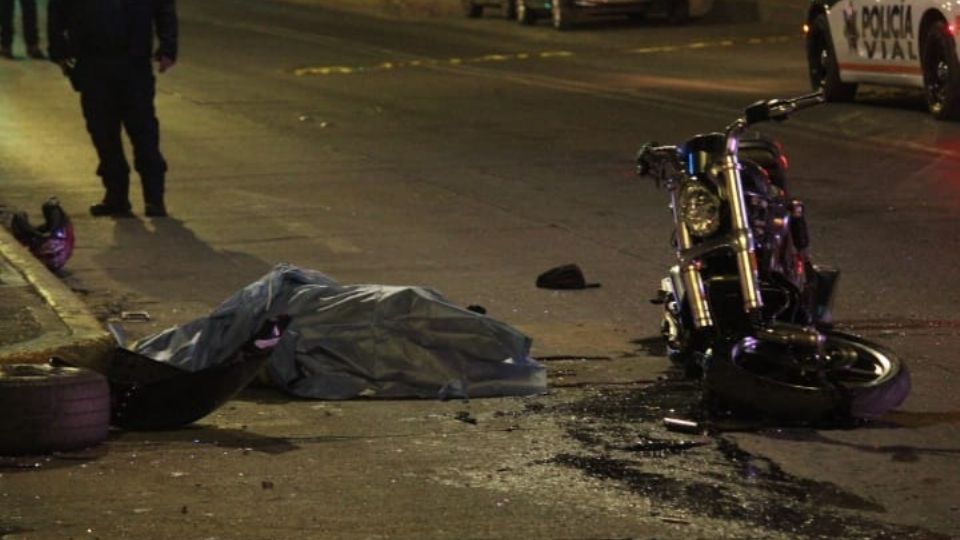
pixel 699 209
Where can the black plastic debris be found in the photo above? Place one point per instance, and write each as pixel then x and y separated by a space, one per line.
pixel 52 242
pixel 466 418
pixel 150 395
pixel 567 276
pixel 662 447
pixel 477 309
pixel 682 425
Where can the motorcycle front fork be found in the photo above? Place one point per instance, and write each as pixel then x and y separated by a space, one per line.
pixel 741 243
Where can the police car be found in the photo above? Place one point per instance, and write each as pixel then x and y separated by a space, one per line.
pixel 891 42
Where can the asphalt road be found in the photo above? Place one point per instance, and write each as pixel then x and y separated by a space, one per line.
pixel 469 156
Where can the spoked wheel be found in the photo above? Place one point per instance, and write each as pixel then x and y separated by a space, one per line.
pixel 852 378
pixel 525 16
pixel 561 15
pixel 678 12
pixel 822 60
pixel 470 9
pixel 509 9
pixel 941 73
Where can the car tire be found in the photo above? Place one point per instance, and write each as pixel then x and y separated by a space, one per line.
pixel 509 9
pixel 470 9
pixel 561 15
pixel 525 16
pixel 941 73
pixel 822 61
pixel 50 408
pixel 678 11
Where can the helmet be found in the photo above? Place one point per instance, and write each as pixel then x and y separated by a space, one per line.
pixel 51 242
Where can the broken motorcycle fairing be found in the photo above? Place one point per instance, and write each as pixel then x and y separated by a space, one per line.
pixel 346 341
pixel 150 395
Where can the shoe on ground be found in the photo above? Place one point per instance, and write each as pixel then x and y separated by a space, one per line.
pixel 104 209
pixel 155 210
pixel 36 53
pixel 6 53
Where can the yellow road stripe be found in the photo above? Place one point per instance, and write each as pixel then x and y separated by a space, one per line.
pixel 509 57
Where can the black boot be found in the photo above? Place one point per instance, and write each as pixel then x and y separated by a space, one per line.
pixel 116 200
pixel 153 189
pixel 103 209
pixel 155 210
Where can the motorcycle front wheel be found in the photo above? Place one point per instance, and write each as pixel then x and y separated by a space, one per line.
pixel 852 379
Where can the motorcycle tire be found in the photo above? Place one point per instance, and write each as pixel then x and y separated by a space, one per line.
pixel 525 15
pixel 508 9
pixel 763 378
pixel 50 408
pixel 471 9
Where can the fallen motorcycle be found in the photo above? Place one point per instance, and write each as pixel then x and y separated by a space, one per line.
pixel 745 308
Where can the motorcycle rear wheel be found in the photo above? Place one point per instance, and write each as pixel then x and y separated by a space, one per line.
pixel 866 382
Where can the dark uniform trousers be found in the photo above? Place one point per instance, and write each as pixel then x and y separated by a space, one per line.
pixel 117 94
pixel 30 36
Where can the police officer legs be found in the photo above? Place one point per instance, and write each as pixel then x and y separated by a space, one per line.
pixel 31 36
pixel 106 49
pixel 117 95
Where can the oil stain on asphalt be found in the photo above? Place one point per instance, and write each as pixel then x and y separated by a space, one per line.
pixel 622 439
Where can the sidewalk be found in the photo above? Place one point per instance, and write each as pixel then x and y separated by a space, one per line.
pixel 41 317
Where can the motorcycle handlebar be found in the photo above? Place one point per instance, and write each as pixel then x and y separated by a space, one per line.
pixel 777 110
pixel 808 100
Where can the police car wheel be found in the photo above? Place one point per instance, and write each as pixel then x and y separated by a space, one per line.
pixel 678 12
pixel 824 72
pixel 470 9
pixel 509 9
pixel 561 16
pixel 941 73
pixel 525 16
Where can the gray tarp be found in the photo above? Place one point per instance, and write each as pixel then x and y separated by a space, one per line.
pixel 346 341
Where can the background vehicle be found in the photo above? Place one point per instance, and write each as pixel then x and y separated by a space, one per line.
pixel 474 8
pixel 566 13
pixel 907 43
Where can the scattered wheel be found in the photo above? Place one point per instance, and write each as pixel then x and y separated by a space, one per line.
pixel 50 408
pixel 509 9
pixel 941 73
pixel 561 15
pixel 470 9
pixel 525 16
pixel 824 72
pixel 678 12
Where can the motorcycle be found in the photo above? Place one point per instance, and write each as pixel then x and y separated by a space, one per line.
pixel 745 308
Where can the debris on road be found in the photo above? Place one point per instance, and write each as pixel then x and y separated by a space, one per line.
pixel 465 417
pixel 679 424
pixel 567 276
pixel 52 242
pixel 135 316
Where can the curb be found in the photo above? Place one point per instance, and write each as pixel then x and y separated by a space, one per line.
pixel 81 339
